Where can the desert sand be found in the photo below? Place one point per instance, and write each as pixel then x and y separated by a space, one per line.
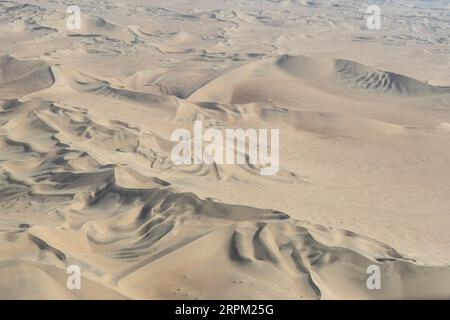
pixel 86 176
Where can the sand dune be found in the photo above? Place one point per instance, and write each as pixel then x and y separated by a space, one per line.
pixel 18 78
pixel 351 76
pixel 340 76
pixel 86 176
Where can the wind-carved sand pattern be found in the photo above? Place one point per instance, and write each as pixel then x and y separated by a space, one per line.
pixel 86 176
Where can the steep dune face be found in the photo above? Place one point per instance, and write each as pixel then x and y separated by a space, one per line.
pixel 87 179
pixel 18 78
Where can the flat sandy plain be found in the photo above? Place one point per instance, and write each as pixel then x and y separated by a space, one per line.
pixel 86 176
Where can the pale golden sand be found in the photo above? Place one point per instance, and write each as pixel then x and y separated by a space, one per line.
pixel 86 176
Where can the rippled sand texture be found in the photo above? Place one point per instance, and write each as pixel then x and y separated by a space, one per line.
pixel 86 176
